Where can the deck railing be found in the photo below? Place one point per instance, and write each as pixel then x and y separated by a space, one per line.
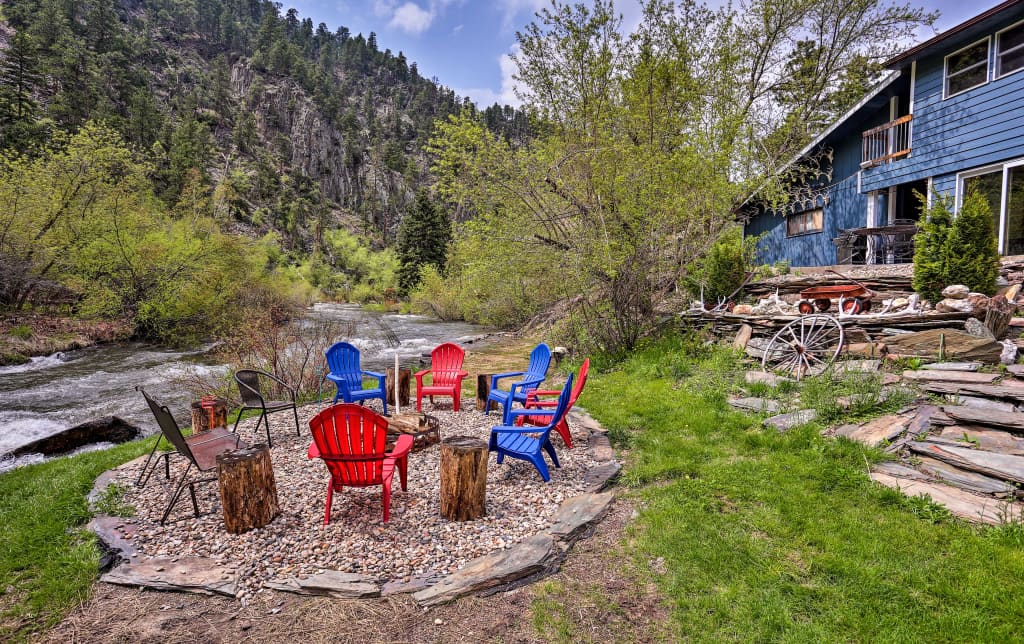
pixel 887 142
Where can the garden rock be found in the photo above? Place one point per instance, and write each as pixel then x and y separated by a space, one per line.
pixel 954 306
pixel 333 583
pixel 578 515
pixel 601 476
pixel 743 309
pixel 109 429
pixel 977 328
pixel 1008 355
pixel 755 404
pixel 190 574
pixel 956 292
pixel 786 422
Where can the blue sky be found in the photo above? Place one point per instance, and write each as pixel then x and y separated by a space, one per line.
pixel 466 43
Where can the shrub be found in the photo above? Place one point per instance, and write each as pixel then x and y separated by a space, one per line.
pixel 930 247
pixel 724 268
pixel 972 253
pixel 956 250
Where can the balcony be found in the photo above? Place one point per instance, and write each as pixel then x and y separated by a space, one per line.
pixel 887 142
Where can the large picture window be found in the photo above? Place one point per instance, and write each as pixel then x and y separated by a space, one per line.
pixel 1010 50
pixel 1003 187
pixel 966 68
pixel 804 223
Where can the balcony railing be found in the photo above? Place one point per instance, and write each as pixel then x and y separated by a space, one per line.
pixel 887 142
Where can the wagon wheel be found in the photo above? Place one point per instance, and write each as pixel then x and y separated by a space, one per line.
pixel 853 305
pixel 822 304
pixel 805 307
pixel 805 343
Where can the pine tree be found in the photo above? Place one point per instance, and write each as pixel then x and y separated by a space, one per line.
pixel 972 254
pixel 930 248
pixel 19 78
pixel 423 239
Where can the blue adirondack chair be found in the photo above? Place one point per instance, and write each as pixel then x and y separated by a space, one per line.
pixel 347 376
pixel 535 373
pixel 527 443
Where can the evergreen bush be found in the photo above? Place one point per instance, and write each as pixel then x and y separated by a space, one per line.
pixel 930 247
pixel 972 253
pixel 724 268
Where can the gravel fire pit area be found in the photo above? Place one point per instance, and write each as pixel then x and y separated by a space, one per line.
pixel 416 548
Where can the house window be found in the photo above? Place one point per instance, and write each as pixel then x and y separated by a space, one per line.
pixel 967 68
pixel 803 223
pixel 1010 50
pixel 1003 187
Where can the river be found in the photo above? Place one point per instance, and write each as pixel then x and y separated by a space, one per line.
pixel 55 392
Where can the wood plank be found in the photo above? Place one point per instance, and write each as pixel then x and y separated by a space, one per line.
pixel 951 376
pixel 965 505
pixel 1002 466
pixel 990 440
pixel 1010 421
pixel 965 479
pixel 742 337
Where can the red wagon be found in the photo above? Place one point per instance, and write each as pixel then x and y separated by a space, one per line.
pixel 853 298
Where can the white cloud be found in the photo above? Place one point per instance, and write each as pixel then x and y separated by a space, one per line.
pixel 485 96
pixel 412 19
pixel 511 10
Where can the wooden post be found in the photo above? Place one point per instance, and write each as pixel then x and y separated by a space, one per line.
pixel 743 337
pixel 483 388
pixel 998 315
pixel 463 478
pixel 201 417
pixel 404 376
pixel 248 492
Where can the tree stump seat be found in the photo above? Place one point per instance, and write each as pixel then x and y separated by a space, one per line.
pixel 463 478
pixel 248 491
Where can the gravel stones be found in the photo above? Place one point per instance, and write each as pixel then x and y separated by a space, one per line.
pixel 417 543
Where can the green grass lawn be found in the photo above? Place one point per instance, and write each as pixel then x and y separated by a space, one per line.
pixel 47 559
pixel 783 537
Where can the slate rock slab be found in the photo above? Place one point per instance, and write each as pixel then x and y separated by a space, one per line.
pixel 189 574
pixel 600 447
pixel 877 431
pixel 497 571
pixel 755 404
pixel 765 377
pixel 601 476
pixel 786 422
pixel 578 515
pixel 332 583
pixel 113 533
pixel 414 584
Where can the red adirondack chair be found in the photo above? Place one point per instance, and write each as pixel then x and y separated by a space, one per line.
pixel 533 400
pixel 350 440
pixel 446 368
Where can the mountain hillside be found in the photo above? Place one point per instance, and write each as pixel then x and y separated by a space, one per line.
pixel 281 125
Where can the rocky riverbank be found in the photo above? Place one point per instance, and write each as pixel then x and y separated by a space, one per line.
pixel 25 335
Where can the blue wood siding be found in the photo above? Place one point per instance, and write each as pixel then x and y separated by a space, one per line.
pixel 980 126
pixel 846 208
pixel 946 184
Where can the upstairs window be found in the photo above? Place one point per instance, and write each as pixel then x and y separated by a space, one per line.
pixel 967 68
pixel 1010 50
pixel 804 223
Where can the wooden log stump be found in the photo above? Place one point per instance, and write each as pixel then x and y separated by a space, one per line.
pixel 483 388
pixel 404 376
pixel 248 492
pixel 463 478
pixel 201 416
pixel 998 315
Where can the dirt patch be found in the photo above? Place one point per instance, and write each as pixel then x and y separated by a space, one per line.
pixel 596 596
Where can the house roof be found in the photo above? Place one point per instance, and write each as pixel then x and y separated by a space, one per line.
pixel 917 51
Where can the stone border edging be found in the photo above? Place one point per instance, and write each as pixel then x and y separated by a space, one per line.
pixel 533 558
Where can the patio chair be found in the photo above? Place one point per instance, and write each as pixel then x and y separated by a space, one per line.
pixel 529 443
pixel 535 373
pixel 252 385
pixel 534 400
pixel 347 376
pixel 446 375
pixel 350 440
pixel 200 450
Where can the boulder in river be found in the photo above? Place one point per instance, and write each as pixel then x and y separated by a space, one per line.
pixel 109 429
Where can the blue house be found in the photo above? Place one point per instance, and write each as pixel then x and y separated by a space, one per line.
pixel 949 118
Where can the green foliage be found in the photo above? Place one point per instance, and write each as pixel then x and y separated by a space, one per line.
pixel 774 537
pixel 22 332
pixel 972 254
pixel 349 269
pixel 725 268
pixel 930 248
pixel 422 241
pixel 956 250
pixel 111 502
